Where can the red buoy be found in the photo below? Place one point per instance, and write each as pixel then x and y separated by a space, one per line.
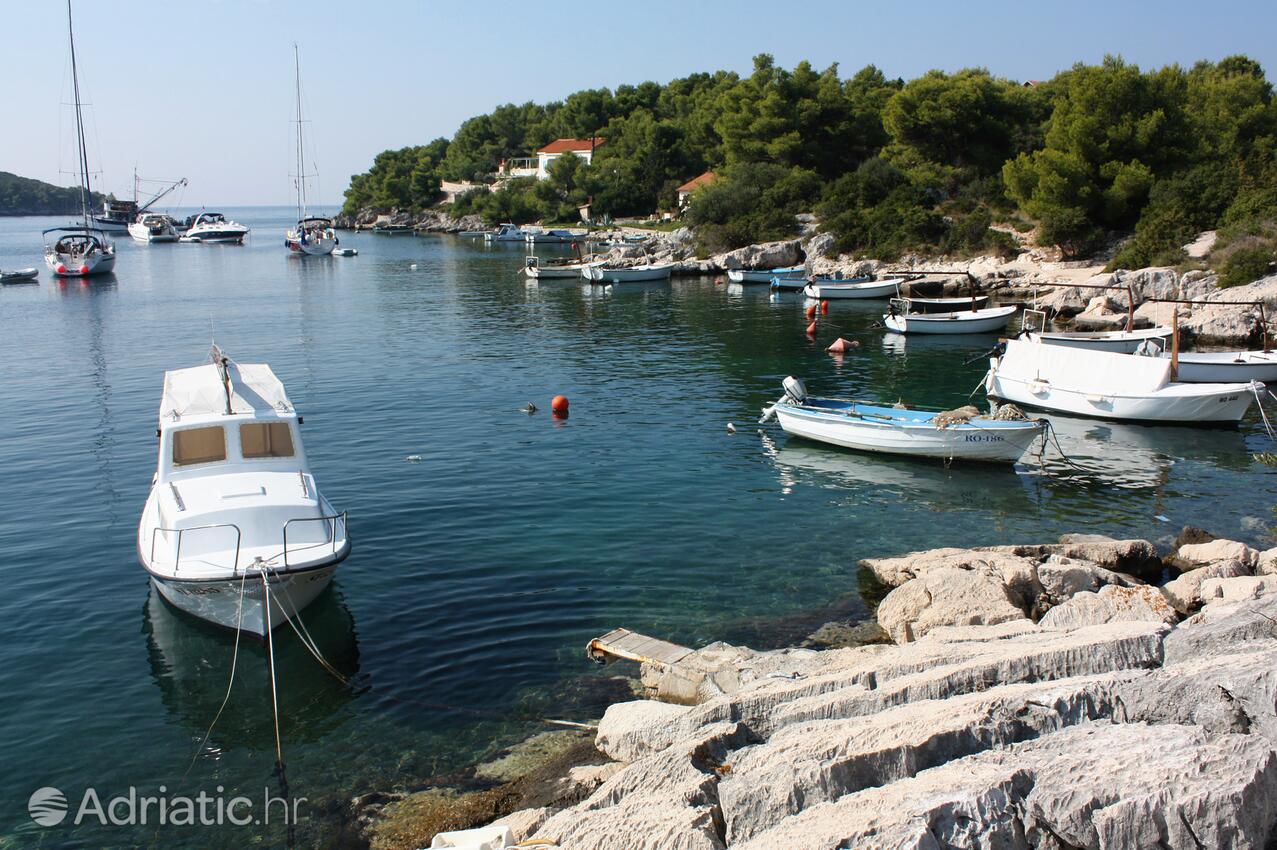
pixel 824 308
pixel 559 406
pixel 842 346
pixel 718 281
pixel 811 329
pixel 811 312
pixel 84 269
pixel 62 269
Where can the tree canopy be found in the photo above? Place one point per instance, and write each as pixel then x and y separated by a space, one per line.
pixel 889 166
pixel 25 196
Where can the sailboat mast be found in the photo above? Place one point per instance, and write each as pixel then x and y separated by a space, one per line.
pixel 85 191
pixel 301 170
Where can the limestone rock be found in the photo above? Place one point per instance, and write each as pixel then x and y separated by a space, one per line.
pixel 1111 604
pixel 1201 245
pixel 1014 571
pixel 820 245
pixel 625 726
pixel 945 597
pixel 768 255
pixel 1194 555
pixel 1218 629
pixel 1215 590
pixel 1062 578
pixel 1102 313
pixel 1267 562
pixel 524 823
pixel 1138 558
pixel 1185 592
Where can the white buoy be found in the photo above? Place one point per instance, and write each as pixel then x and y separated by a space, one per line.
pixel 731 429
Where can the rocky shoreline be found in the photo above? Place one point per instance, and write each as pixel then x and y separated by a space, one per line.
pixel 1080 294
pixel 1089 693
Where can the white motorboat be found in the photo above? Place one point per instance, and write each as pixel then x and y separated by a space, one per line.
pixel 551 237
pixel 1109 386
pixel 1208 367
pixel 79 250
pixel 764 275
pixel 832 289
pixel 153 227
pixel 19 275
pixel 612 274
pixel 213 227
pixel 890 430
pixel 235 530
pixel 506 233
pixel 987 320
pixel 313 236
pixel 558 271
pixel 945 305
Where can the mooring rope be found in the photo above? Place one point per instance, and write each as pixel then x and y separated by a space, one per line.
pixel 239 620
pixel 280 769
pixel 1263 415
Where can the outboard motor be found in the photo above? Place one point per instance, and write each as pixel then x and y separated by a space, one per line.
pixel 1149 348
pixel 795 390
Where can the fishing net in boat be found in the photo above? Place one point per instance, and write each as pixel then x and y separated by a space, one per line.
pixel 1009 413
pixel 960 416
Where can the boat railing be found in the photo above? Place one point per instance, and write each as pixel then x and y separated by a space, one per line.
pixel 181 532
pixel 1034 321
pixel 330 526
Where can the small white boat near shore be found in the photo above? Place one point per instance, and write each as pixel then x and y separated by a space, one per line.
pixel 764 275
pixel 1210 367
pixel 573 270
pixel 632 274
pixel 1105 385
pixel 987 320
pixel 831 289
pixel 506 233
pixel 945 305
pixel 890 430
pixel 1120 342
pixel 235 530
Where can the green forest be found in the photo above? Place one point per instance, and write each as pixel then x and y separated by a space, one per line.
pixel 945 163
pixel 24 196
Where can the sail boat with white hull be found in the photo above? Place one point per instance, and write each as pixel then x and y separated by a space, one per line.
pixel 79 251
pixel 313 236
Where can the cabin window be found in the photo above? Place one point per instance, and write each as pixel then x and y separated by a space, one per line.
pixel 266 439
pixel 199 445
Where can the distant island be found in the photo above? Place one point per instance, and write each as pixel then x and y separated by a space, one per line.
pixel 1106 159
pixel 25 196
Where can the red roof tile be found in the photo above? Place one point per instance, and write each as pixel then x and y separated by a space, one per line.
pixel 574 145
pixel 697 182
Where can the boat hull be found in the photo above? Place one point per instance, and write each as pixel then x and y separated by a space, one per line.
pixel 218 601
pixel 216 236
pixel 1116 342
pixel 834 291
pixel 19 276
pixel 602 274
pixel 110 225
pixel 554 273
pixel 753 276
pixel 64 265
pixel 991 320
pixel 322 248
pixel 946 305
pixel 1210 367
pixel 1220 404
pixel 1004 444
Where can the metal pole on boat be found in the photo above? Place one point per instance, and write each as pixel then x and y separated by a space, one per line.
pixel 1130 308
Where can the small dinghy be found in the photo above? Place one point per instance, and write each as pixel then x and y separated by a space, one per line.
pixel 1208 367
pixel 1118 342
pixel 1109 386
pixel 614 274
pixel 987 320
pixel 945 305
pixel 345 252
pixel 567 269
pixel 764 275
pixel 874 428
pixel 19 276
pixel 831 289
pixel 235 530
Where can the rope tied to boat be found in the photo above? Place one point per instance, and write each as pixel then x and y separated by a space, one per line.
pixel 280 768
pixel 1259 402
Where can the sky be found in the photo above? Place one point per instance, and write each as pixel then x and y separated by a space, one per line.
pixel 204 89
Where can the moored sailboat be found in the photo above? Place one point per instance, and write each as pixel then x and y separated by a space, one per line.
pixel 313 236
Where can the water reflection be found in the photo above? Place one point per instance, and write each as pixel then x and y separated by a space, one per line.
pixel 191 662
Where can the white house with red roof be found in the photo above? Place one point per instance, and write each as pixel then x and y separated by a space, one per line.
pixel 584 148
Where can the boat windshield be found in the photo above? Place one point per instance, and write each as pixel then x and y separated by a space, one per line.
pixel 199 445
pixel 265 439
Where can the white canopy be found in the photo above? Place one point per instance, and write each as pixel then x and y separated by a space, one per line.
pixel 1083 370
pixel 200 391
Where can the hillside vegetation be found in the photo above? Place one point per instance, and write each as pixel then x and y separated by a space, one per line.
pixel 891 166
pixel 24 196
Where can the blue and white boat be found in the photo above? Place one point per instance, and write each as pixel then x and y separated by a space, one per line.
pixel 797 283
pixel 891 430
pixel 764 275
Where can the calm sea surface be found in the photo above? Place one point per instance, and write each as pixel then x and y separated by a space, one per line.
pixel 479 572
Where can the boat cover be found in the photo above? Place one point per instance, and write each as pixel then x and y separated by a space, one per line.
pixel 198 391
pixel 1083 370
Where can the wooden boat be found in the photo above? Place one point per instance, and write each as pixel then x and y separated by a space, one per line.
pixel 1207 367
pixel 945 305
pixel 1109 386
pixel 890 430
pixel 569 269
pixel 763 275
pixel 611 274
pixel 988 320
pixel 832 289
pixel 1120 342
pixel 19 275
